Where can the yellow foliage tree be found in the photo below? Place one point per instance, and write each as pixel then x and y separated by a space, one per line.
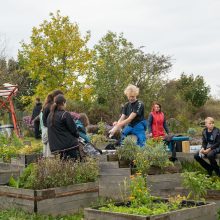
pixel 58 58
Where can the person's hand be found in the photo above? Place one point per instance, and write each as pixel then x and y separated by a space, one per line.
pixel 202 151
pixel 112 131
pixel 206 151
pixel 115 123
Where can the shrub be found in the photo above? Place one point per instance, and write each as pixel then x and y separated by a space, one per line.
pixel 191 131
pixel 15 214
pixel 53 172
pixel 9 146
pixel 157 154
pixel 129 149
pixel 197 183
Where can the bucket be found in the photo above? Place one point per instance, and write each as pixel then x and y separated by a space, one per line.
pixel 6 129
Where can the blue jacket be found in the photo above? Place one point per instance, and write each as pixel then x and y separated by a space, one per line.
pixel 82 131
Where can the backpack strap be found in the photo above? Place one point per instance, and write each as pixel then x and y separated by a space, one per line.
pixel 63 114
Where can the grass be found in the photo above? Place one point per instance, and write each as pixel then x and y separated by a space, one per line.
pixel 15 214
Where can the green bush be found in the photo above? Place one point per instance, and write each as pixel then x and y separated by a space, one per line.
pixel 53 172
pixel 157 154
pixel 197 183
pixel 129 149
pixel 14 214
pixel 9 146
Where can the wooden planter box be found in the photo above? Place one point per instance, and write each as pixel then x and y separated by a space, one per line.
pixel 26 159
pixel 111 176
pixel 53 201
pixel 7 170
pixel 203 212
pixel 152 171
pixel 212 195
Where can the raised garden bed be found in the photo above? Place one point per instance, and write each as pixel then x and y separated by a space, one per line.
pixel 7 170
pixel 54 201
pixel 211 196
pixel 196 211
pixel 111 176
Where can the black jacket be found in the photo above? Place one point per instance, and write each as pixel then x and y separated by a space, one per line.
pixel 46 112
pixel 36 110
pixel 63 134
pixel 216 138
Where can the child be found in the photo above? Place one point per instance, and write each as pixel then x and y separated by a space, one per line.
pixel 210 147
pixel 132 118
pixel 81 125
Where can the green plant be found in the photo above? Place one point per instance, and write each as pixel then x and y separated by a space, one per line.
pixel 129 149
pixel 102 128
pixel 141 162
pixel 192 166
pixel 141 202
pixel 16 214
pixel 98 138
pixel 191 131
pixel 157 154
pixel 9 145
pixel 197 183
pixel 53 172
pixel 139 192
pixel 175 201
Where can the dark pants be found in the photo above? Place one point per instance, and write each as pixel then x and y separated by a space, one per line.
pixel 69 154
pixel 37 133
pixel 213 166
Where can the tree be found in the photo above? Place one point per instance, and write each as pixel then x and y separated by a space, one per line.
pixel 57 58
pixel 193 89
pixel 118 63
pixel 10 72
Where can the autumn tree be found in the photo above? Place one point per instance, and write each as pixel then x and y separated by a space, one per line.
pixel 57 57
pixel 193 89
pixel 118 63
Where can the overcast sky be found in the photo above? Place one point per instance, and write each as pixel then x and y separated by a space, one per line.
pixel 187 30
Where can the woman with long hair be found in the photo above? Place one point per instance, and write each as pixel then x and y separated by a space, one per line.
pixel 62 130
pixel 46 147
pixel 45 112
pixel 156 122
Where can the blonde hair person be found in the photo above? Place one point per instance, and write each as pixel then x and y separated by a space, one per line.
pixel 131 89
pixel 132 118
pixel 210 147
pixel 209 120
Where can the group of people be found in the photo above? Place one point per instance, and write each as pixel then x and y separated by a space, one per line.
pixel 60 133
pixel 134 122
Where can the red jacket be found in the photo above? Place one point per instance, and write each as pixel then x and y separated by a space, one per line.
pixel 158 124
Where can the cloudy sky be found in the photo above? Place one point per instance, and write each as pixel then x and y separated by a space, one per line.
pixel 187 30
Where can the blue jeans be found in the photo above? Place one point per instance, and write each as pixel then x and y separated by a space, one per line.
pixel 138 130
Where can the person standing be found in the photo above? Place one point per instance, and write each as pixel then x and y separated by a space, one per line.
pixel 157 122
pixel 45 113
pixel 46 148
pixel 35 118
pixel 132 118
pixel 62 131
pixel 210 147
